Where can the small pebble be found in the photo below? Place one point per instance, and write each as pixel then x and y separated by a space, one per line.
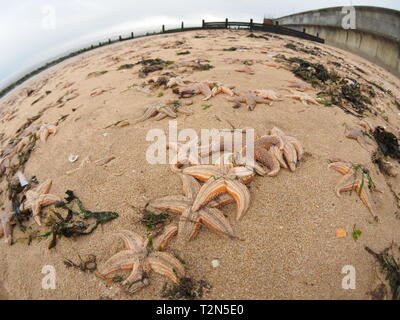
pixel 72 158
pixel 215 263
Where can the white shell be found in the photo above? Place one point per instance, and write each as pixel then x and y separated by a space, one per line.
pixel 215 263
pixel 22 180
pixel 72 158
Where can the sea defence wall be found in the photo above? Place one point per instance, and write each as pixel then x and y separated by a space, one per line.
pixel 371 32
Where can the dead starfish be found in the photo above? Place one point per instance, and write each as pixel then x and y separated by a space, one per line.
pixel 221 178
pixel 44 132
pixel 5 224
pixel 302 97
pixel 194 89
pixel 184 154
pixel 140 260
pixel 39 198
pixel 190 221
pixel 99 91
pixel 251 100
pixel 300 86
pixel 246 69
pixel 359 135
pixel 355 179
pixel 160 110
pixel 292 150
pixel 268 94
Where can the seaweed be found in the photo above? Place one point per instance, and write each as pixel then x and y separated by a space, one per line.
pixel 187 288
pixel 230 49
pixel 126 66
pixel 78 222
pixel 252 35
pixel 183 53
pixel 387 142
pixel 390 267
pixel 151 65
pixel 316 74
pixel 153 220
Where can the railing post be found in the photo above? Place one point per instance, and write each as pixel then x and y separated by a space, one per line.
pixel 109 40
pixel 203 23
pixel 251 24
pixel 226 23
pixel 132 36
pixel 182 26
pixel 120 38
pixel 163 28
pixel 99 44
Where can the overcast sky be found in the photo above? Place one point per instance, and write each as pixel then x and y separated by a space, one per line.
pixel 34 31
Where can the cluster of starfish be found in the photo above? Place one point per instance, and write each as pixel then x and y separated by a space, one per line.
pixel 224 181
pixel 10 156
pixel 355 178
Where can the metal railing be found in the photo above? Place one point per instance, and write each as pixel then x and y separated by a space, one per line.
pixel 251 26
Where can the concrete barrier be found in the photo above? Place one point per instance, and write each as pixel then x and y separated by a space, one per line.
pixel 376 36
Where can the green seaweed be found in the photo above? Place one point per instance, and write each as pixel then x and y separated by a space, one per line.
pixel 187 289
pixel 152 220
pixel 79 221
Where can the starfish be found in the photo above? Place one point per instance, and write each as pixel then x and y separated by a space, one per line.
pixel 99 91
pixel 39 198
pixel 300 86
pixel 160 111
pixel 191 220
pixel 354 179
pixel 222 178
pixel 44 132
pixel 5 224
pixel 138 258
pixel 302 97
pixel 185 154
pixel 359 135
pixel 177 81
pixel 268 94
pixel 251 100
pixel 292 150
pixel 22 144
pixel 194 89
pixel 264 154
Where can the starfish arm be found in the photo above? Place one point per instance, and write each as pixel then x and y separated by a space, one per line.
pixel 149 112
pixel 166 265
pixel 243 173
pixel 290 155
pixel 160 116
pixel 267 158
pixel 175 204
pixel 48 199
pixel 347 183
pixel 278 154
pixel 123 260
pixel 216 221
pixel 241 195
pixel 44 187
pixel 189 225
pixel 136 273
pixel 190 186
pixel 210 190
pixel 203 172
pixel 342 167
pixel 365 198
pixel 132 240
pixel 297 145
pixel 269 141
pixel 169 112
pixel 161 242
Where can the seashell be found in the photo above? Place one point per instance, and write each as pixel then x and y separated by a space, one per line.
pixel 72 158
pixel 215 263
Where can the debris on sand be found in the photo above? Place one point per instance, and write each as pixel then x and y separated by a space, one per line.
pixel 87 265
pixel 151 65
pixel 387 142
pixel 78 222
pixel 390 267
pixel 95 74
pixel 385 167
pixel 187 289
pixel 126 67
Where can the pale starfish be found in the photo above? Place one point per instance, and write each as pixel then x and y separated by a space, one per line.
pixel 292 150
pixel 191 220
pixel 99 91
pixel 159 111
pixel 251 100
pixel 221 178
pixel 302 97
pixel 268 94
pixel 359 135
pixel 5 224
pixel 22 144
pixel 194 89
pixel 355 179
pixel 138 258
pixel 246 69
pixel 44 132
pixel 300 86
pixel 39 198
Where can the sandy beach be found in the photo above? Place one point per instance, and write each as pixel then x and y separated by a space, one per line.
pixel 287 246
